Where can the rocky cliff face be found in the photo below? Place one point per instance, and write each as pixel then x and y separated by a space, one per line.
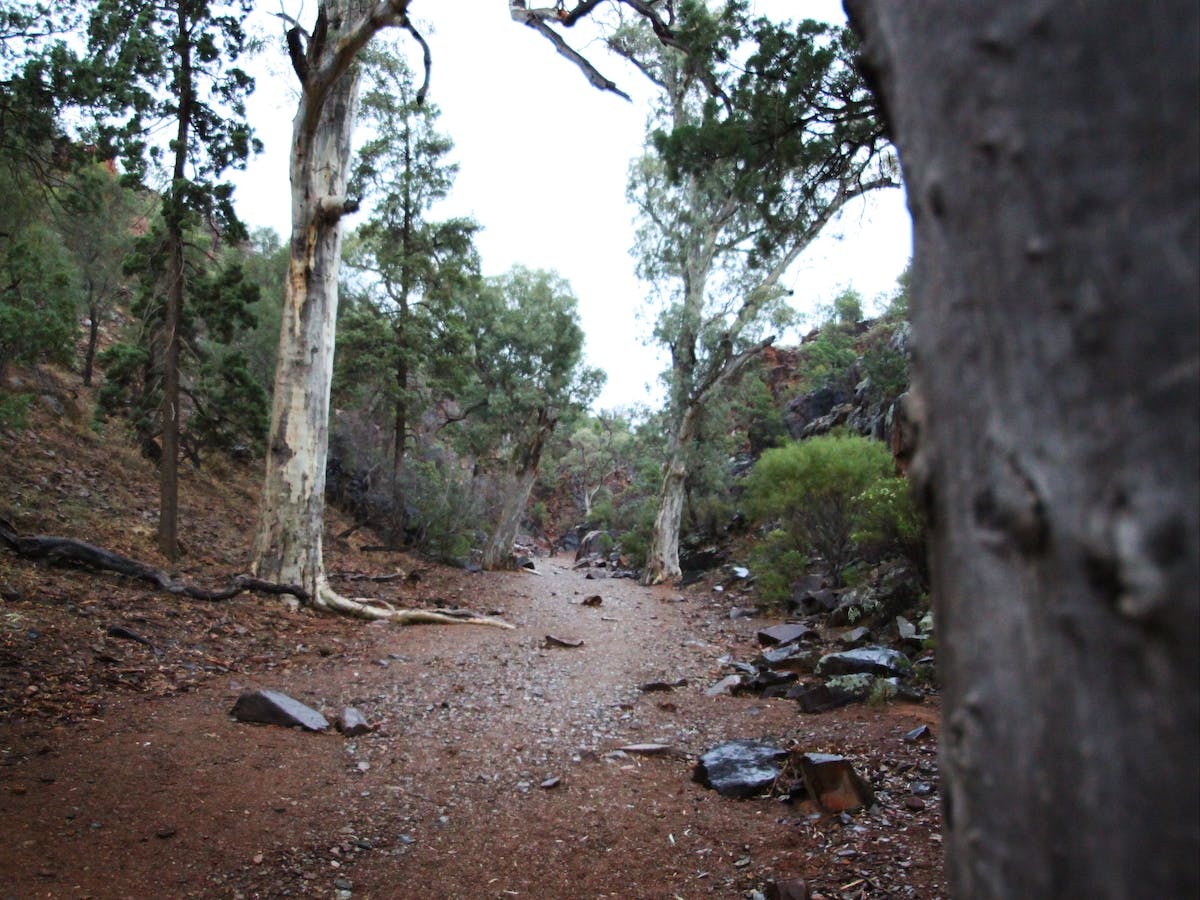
pixel 868 394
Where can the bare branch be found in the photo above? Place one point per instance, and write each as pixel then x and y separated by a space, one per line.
pixel 534 18
pixel 426 58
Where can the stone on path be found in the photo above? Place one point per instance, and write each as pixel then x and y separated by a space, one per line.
pixel 832 782
pixel 740 768
pixel 868 660
pixel 352 723
pixel 552 641
pixel 274 708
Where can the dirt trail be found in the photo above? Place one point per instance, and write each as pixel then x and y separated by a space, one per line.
pixel 169 797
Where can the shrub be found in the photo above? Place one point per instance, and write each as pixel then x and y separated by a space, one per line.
pixel 889 523
pixel 777 564
pixel 812 491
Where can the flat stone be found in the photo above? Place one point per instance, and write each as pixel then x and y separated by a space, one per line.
pixel 552 641
pixel 921 731
pixel 782 634
pixel 854 637
pixel 740 768
pixel 726 685
pixel 652 687
pixel 869 660
pixel 647 749
pixel 819 698
pixel 832 782
pixel 352 723
pixel 788 658
pixel 274 708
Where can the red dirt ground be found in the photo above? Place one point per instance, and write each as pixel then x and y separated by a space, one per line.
pixel 122 773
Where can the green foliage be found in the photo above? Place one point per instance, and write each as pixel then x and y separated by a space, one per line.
pixel 777 562
pixel 889 522
pixel 848 308
pixel 224 404
pixel 443 510
pixel 38 320
pixel 813 491
pixel 886 367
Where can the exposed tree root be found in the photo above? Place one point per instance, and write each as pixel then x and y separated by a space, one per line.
pixel 379 610
pixel 70 550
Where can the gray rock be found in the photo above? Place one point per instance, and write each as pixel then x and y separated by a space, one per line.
pixel 726 685
pixel 856 685
pixel 274 708
pixel 352 723
pixel 788 657
pixel 740 768
pixel 783 634
pixel 869 660
pixel 854 637
pixel 819 698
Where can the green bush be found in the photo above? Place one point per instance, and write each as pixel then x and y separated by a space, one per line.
pixel 812 490
pixel 890 524
pixel 777 564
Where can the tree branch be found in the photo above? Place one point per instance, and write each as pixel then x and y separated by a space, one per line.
pixel 534 18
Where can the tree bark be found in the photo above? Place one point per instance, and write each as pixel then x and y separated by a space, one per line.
pixel 291 517
pixel 168 466
pixel 497 553
pixel 1051 156
pixel 662 560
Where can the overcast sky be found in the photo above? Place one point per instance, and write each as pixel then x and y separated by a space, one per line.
pixel 543 159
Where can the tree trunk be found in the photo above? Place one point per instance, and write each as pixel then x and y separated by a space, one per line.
pixel 168 466
pixel 498 551
pixel 288 539
pixel 1051 155
pixel 662 560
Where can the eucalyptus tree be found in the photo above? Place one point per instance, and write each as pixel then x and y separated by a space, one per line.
pixel 761 134
pixel 1052 155
pixel 172 64
pixel 410 267
pixel 291 515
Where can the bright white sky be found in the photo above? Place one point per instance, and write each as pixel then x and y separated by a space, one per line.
pixel 542 162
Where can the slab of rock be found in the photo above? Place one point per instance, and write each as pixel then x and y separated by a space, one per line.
pixel 832 782
pixel 740 768
pixel 869 660
pixel 819 698
pixel 552 641
pixel 274 708
pixel 854 637
pixel 647 749
pixel 651 687
pixel 352 723
pixel 726 685
pixel 788 658
pixel 783 634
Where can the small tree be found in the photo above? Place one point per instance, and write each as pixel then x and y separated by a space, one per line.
pixel 814 490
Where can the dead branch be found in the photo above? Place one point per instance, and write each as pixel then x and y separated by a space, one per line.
pixel 535 19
